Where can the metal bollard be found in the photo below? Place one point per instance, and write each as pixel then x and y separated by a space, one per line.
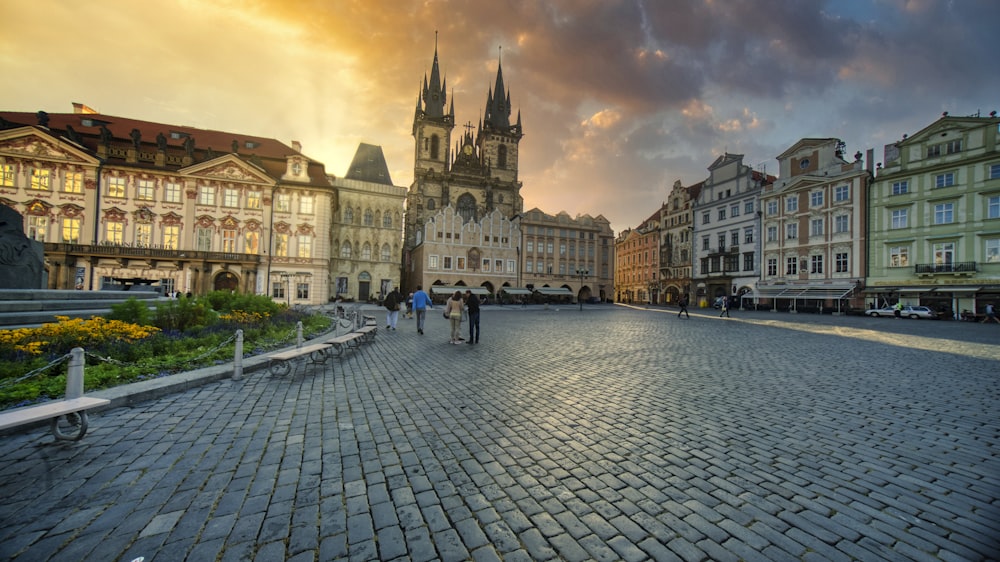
pixel 238 357
pixel 298 334
pixel 74 376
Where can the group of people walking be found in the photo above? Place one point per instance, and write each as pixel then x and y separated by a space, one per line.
pixel 419 301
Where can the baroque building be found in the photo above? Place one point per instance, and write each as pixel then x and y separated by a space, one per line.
pixel 473 177
pixel 815 230
pixel 367 225
pixel 676 234
pixel 120 201
pixel 565 258
pixel 637 262
pixel 935 218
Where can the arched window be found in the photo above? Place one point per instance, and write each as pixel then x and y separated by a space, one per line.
pixel 502 156
pixel 345 250
pixel 435 147
pixel 387 220
pixel 369 217
pixel 386 253
pixel 430 204
pixel 366 251
pixel 467 207
pixel 348 215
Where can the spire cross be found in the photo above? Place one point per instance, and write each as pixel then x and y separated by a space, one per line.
pixel 468 127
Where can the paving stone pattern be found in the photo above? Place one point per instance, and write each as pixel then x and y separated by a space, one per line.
pixel 606 434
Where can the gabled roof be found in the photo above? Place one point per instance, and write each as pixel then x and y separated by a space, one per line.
pixel 369 165
pixel 947 122
pixel 806 143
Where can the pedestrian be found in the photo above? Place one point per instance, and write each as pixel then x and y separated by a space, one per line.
pixel 421 302
pixel 725 308
pixel 409 306
pixel 991 314
pixel 472 303
pixel 897 310
pixel 391 304
pixel 453 312
pixel 683 303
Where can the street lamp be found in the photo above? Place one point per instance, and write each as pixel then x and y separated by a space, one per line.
pixel 582 273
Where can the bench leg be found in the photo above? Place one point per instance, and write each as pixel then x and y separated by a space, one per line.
pixel 279 368
pixel 70 427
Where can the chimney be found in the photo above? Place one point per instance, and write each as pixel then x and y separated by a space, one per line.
pixel 297 146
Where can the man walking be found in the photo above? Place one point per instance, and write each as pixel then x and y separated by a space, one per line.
pixel 472 304
pixel 683 303
pixel 991 314
pixel 421 302
pixel 725 308
pixel 391 304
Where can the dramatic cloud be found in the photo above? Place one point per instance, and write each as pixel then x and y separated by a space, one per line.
pixel 618 99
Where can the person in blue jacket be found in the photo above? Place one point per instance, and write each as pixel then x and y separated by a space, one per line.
pixel 421 302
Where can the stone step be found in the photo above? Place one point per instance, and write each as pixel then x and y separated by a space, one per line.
pixel 20 308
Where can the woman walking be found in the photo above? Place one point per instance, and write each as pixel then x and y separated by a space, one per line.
pixel 453 311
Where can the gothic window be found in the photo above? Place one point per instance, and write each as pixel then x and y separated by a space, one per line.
pixel 435 146
pixel 369 217
pixel 502 156
pixel 366 251
pixel 348 215
pixel 467 207
pixel 386 253
pixel 387 220
pixel 345 250
pixel 430 204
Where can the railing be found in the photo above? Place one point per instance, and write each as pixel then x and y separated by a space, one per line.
pixel 957 267
pixel 132 251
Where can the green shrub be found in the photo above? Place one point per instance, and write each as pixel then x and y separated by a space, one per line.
pixel 133 311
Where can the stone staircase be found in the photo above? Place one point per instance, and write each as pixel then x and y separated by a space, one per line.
pixel 29 308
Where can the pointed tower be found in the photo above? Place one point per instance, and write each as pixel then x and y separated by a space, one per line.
pixel 432 125
pixel 498 140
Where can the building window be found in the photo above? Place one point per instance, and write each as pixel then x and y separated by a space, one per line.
pixel 816 227
pixel 230 197
pixel 816 264
pixel 993 207
pixel 953 146
pixel 562 248
pixel 899 218
pixel 283 202
pixel 722 241
pixel 306 204
pixel 840 224
pixel 791 231
pixel 460 264
pixel 366 252
pixel 37 226
pixel 748 261
pixel 74 182
pixel 386 253
pixel 934 150
pixel 706 218
pixel 172 192
pixel 841 262
pixel 816 199
pixel 345 250
pixel 432 262
pixel 944 180
pixel 994 171
pixel 706 243
pixel 900 187
pixel 206 195
pixel 348 215
pixel 114 232
pixel 529 246
pixel 71 231
pixel 281 245
pixel 992 254
pixel 39 179
pixel 841 193
pixel 734 238
pixel 722 214
pixel 253 199
pixel 447 262
pixel 734 211
pixel 510 266
pixel 7 175
pixel 116 186
pixel 204 240
pixel 772 234
pixel 302 291
pixel 944 213
pixel 529 266
pixel 772 208
pixel 143 234
pixel 772 266
pixel 171 237
pixel 144 190
pixel 748 235
pixel 548 248
pixel 748 208
pixel 944 253
pixel 305 246
pixel 899 256
pixel 791 204
pixel 387 220
pixel 791 266
pixel 229 240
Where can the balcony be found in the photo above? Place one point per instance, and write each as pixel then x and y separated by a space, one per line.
pixel 123 251
pixel 965 268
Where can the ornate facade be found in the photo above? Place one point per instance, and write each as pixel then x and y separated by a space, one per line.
pixel 119 201
pixel 676 233
pixel 637 259
pixel 476 177
pixel 567 257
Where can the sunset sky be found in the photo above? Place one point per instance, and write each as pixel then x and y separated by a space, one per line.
pixel 618 99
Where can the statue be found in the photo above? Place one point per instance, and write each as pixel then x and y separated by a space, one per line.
pixel 105 134
pixel 43 118
pixel 136 138
pixel 21 259
pixel 189 146
pixel 161 142
pixel 236 146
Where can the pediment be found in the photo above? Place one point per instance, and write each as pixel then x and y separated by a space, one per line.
pixel 29 142
pixel 806 145
pixel 228 168
pixel 942 125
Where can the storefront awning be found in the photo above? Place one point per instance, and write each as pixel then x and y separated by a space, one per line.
pixel 909 290
pixel 958 290
pixel 802 292
pixel 516 291
pixel 444 289
pixel 553 291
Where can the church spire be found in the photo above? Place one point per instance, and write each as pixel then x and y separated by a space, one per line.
pixel 434 95
pixel 498 102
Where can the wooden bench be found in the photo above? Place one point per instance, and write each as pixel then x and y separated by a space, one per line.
pixel 68 415
pixel 279 364
pixel 347 341
pixel 368 331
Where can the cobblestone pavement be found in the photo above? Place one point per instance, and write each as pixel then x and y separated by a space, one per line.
pixel 608 434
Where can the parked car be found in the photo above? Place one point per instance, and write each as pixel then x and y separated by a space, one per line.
pixel 908 311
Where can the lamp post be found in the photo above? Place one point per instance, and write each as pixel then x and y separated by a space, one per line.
pixel 285 277
pixel 582 273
